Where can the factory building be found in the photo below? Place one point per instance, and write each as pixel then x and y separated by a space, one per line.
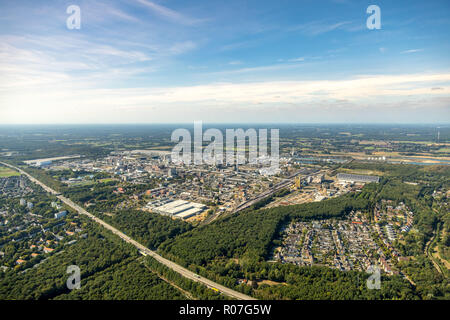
pixel 318 179
pixel 180 209
pixel 171 172
pixel 60 214
pixel 352 178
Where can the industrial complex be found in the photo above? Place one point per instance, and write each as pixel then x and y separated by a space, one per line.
pixel 176 208
pixel 346 177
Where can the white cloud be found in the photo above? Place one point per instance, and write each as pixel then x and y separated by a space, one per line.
pixel 73 101
pixel 182 47
pixel 412 51
pixel 170 14
pixel 120 14
pixel 300 59
pixel 318 27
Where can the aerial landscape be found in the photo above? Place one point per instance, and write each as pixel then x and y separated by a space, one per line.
pixel 169 150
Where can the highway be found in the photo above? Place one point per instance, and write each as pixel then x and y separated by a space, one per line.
pixel 144 250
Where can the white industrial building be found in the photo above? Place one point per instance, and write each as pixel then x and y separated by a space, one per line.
pixel 179 209
pixel 60 214
pixel 352 178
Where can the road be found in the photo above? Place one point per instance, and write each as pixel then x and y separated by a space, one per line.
pixel 144 250
pixel 430 254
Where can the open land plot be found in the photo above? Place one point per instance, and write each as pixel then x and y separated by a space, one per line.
pixel 7 172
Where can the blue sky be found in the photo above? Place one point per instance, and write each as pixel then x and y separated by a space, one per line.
pixel 141 61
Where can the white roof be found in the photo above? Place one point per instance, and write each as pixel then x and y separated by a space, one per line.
pixel 172 205
pixel 188 213
pixel 178 206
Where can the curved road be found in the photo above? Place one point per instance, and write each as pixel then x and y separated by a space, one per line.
pixel 144 250
pixel 430 254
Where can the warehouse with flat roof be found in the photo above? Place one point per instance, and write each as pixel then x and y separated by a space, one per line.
pixel 347 177
pixel 180 209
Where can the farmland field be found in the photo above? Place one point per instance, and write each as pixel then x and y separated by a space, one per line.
pixel 6 172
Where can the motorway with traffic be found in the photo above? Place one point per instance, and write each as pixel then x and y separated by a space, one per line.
pixel 144 250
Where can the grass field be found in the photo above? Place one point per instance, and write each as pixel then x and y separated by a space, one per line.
pixel 107 180
pixel 444 150
pixel 361 171
pixel 7 172
pixel 82 183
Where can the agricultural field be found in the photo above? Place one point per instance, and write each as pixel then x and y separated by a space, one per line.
pixel 7 172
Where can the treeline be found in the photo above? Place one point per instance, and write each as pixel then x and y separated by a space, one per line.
pixel 48 280
pixel 95 193
pixel 196 289
pixel 313 283
pixel 150 229
pixel 430 284
pixel 30 146
pixel 407 172
pixel 44 177
pixel 265 201
pixel 127 280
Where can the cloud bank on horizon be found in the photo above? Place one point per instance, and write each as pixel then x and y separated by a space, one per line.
pixel 143 61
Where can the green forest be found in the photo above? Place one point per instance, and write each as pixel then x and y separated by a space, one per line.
pixel 127 280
